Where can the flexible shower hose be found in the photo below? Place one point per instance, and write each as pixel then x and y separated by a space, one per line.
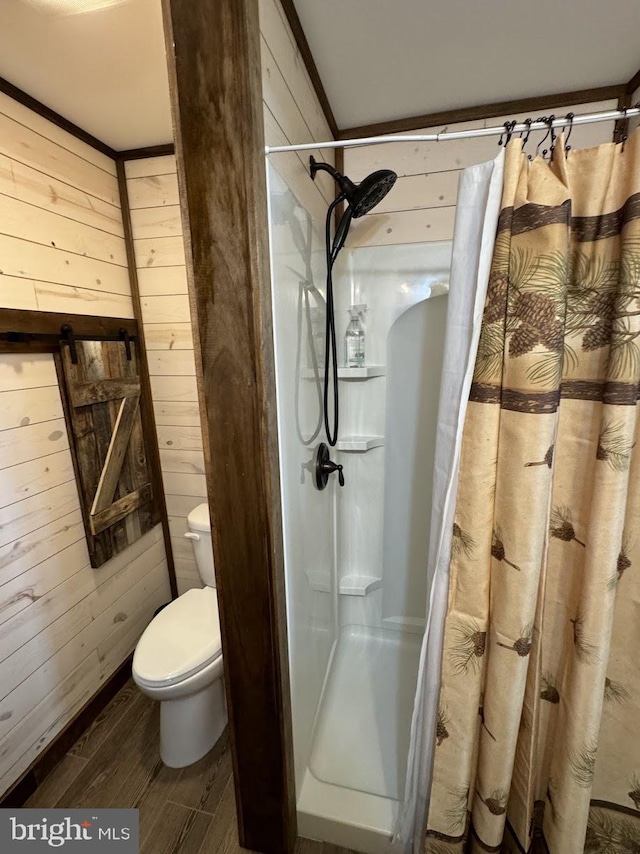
pixel 330 348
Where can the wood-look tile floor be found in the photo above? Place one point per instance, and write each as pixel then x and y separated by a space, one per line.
pixel 116 763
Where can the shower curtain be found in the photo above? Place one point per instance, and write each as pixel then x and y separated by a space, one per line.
pixel 537 738
pixel 477 210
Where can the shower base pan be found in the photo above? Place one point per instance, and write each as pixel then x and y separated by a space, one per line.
pixel 353 787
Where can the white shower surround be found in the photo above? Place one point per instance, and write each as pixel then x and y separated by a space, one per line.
pixel 345 649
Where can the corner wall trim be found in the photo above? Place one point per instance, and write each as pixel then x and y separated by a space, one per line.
pixel 47 113
pixel 146 399
pixel 146 151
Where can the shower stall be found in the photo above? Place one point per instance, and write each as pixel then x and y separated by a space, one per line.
pixel 355 556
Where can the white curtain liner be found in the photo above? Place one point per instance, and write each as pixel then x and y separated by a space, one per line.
pixel 478 207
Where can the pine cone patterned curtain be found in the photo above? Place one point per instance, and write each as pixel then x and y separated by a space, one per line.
pixel 538 737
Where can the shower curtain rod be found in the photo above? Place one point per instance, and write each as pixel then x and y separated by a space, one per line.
pixel 562 121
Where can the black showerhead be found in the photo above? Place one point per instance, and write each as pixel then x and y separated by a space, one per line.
pixel 361 197
pixel 372 190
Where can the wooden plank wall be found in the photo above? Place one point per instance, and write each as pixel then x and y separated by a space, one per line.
pixel 292 114
pixel 61 234
pixel 421 206
pixel 64 627
pixel 152 185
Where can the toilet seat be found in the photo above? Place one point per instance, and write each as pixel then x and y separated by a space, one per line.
pixel 181 640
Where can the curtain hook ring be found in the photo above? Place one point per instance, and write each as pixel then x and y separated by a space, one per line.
pixel 550 133
pixel 570 117
pixel 544 119
pixel 502 135
pixel 554 136
pixel 527 122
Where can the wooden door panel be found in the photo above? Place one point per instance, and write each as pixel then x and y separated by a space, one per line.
pixel 107 434
pixel 118 446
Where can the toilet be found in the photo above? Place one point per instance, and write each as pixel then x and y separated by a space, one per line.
pixel 178 660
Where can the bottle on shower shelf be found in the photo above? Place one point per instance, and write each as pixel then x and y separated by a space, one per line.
pixel 354 338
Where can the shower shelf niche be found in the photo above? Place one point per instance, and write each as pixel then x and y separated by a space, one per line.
pixel 358 585
pixel 350 585
pixel 365 373
pixel 359 443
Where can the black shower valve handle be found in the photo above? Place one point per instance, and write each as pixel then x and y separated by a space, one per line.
pixel 325 466
pixel 329 467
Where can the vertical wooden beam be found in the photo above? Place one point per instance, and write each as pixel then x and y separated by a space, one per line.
pixel 146 401
pixel 214 74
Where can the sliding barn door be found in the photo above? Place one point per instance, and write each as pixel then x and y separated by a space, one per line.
pixel 107 433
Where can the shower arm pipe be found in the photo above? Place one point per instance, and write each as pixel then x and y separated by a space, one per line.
pixel 587 118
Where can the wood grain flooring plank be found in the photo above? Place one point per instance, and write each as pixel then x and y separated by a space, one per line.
pixel 328 848
pixel 308 846
pixel 222 835
pixel 145 780
pixel 53 787
pixel 201 785
pixel 118 771
pixel 116 763
pixel 106 722
pixel 178 830
pixel 312 846
pixel 152 800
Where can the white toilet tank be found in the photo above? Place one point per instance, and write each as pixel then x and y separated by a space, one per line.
pixel 199 533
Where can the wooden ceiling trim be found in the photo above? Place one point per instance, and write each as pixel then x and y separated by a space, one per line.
pixel 146 151
pixel 484 111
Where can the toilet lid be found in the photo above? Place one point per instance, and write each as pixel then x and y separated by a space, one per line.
pixel 198 519
pixel 182 639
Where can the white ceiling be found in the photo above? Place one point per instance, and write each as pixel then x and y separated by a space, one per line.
pixel 387 59
pixel 104 70
pixel 378 59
